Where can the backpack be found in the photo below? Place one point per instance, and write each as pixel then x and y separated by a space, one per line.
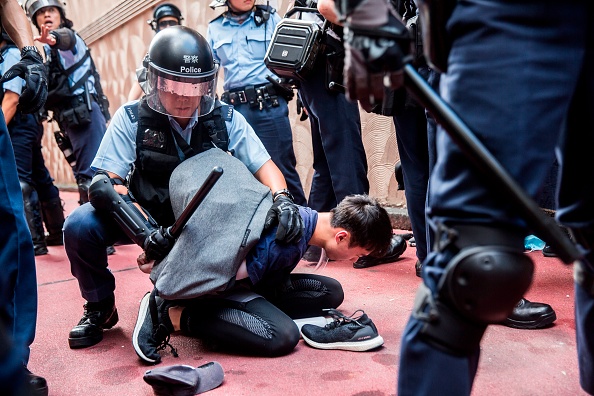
pixel 219 235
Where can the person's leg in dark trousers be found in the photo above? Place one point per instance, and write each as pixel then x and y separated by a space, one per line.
pixel 18 283
pixel 262 326
pixel 483 90
pixel 85 142
pixel 254 327
pixel 340 162
pixel 24 132
pixel 86 234
pixel 272 126
pixel 304 295
pixel 411 137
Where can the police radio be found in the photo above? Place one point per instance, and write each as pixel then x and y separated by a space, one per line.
pixel 295 45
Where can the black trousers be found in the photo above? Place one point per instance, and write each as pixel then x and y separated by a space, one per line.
pixel 261 326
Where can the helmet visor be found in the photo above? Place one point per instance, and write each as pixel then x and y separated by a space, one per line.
pixel 180 97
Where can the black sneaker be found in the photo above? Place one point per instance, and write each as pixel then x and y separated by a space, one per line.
pixel 346 333
pixel 98 316
pixel 150 336
pixel 397 247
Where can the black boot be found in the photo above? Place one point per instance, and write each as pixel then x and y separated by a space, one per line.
pixel 53 217
pixel 34 219
pixel 397 247
pixel 37 384
pixel 530 315
pixel 98 316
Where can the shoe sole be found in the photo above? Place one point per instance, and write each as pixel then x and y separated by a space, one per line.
pixel 356 346
pixel 85 342
pixel 142 312
pixel 539 323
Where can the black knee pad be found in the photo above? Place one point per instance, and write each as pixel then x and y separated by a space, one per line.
pixel 484 283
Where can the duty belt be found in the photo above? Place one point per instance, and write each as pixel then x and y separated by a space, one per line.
pixel 257 96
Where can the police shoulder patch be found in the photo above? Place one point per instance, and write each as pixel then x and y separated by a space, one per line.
pixel 132 112
pixel 227 112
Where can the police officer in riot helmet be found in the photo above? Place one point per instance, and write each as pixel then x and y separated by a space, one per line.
pixel 177 85
pixel 165 15
pixel 75 96
pixel 177 118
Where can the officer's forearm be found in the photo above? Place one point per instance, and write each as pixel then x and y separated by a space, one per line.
pixel 15 23
pixel 271 176
pixel 9 105
pixel 65 39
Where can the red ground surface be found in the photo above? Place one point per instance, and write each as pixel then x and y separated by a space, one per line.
pixel 513 362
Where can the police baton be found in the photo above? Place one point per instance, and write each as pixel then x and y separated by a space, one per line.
pixel 476 152
pixel 176 229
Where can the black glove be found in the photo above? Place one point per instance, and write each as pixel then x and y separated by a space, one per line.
pixel 377 45
pixel 301 110
pixel 158 244
pixel 286 214
pixel 31 69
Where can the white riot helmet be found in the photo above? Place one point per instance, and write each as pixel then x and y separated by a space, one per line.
pixel 32 6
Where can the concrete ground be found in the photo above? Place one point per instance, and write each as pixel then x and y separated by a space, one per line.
pixel 513 362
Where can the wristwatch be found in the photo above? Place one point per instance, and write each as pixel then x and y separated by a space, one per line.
pixel 284 192
pixel 27 48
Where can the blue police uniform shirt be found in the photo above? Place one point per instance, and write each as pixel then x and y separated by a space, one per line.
pixel 68 58
pixel 11 57
pixel 240 49
pixel 269 257
pixel 117 151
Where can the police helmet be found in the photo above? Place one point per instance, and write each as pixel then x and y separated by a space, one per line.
pixel 162 11
pixel 180 68
pixel 32 6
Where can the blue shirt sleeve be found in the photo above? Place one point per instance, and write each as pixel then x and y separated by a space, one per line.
pixel 240 48
pixel 117 151
pixel 245 144
pixel 11 57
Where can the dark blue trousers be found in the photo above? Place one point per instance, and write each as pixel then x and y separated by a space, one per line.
pixel 272 126
pixel 26 134
pixel 340 163
pixel 415 136
pixel 520 75
pixel 85 142
pixel 18 284
pixel 86 235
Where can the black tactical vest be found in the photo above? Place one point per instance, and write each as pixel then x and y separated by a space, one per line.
pixel 157 155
